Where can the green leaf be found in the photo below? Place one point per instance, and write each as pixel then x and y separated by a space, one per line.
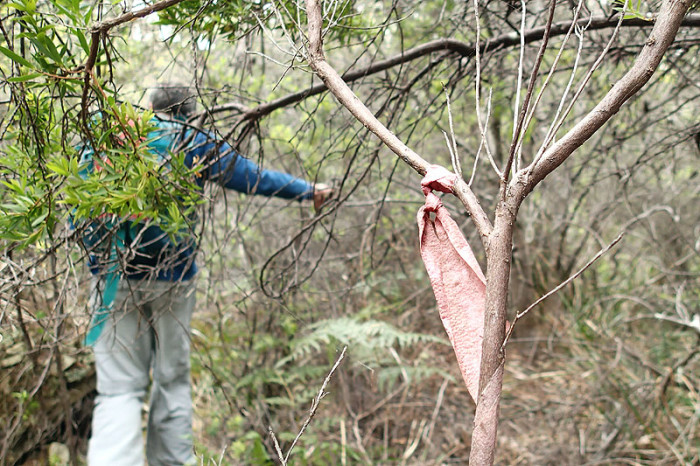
pixel 24 78
pixel 83 42
pixel 58 168
pixel 40 219
pixel 46 46
pixel 29 7
pixel 16 58
pixel 88 13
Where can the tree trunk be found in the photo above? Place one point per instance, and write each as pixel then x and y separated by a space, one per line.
pixel 499 248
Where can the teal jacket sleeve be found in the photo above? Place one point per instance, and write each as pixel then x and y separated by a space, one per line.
pixel 223 165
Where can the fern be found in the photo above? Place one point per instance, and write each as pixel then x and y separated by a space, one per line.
pixel 361 337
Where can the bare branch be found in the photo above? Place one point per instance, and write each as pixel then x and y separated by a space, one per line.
pixel 276 444
pixel 662 35
pixel 556 125
pixel 347 97
pixel 557 288
pixel 460 48
pixel 552 69
pixel 477 90
pixel 349 100
pixel 316 402
pixel 693 323
pixel 556 120
pixel 521 60
pixel 104 26
pixel 518 127
pixel 99 29
pixel 452 145
pixel 482 141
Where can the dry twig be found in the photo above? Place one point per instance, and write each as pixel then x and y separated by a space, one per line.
pixel 284 459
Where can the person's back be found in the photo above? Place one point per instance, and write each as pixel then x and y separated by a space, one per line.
pixel 142 309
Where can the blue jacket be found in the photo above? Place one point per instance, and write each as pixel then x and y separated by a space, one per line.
pixel 156 255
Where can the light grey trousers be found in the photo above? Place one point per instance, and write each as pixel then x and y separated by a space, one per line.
pixel 147 336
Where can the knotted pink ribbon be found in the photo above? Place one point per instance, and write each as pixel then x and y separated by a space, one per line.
pixel 455 275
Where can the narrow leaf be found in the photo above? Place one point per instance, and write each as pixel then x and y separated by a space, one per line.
pixel 14 57
pixel 24 78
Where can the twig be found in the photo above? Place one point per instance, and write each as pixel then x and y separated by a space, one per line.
pixel 518 127
pixel 427 433
pixel 556 122
pixel 668 21
pixel 693 323
pixel 582 86
pixel 477 88
pixel 104 26
pixel 98 30
pixel 278 450
pixel 519 84
pixel 314 406
pixel 667 379
pixel 450 150
pixel 556 289
pixel 461 49
pixel 454 155
pixel 347 97
pixel 481 142
pixel 552 69
pixel 412 445
pixel 343 443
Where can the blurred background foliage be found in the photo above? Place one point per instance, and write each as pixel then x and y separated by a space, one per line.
pixel 605 372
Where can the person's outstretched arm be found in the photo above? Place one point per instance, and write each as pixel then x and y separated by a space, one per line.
pixel 233 171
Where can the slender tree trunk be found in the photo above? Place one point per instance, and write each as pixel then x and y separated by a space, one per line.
pixel 498 251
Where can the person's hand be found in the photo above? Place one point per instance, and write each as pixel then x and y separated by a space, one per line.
pixel 322 192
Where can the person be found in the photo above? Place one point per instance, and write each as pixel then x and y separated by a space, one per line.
pixel 145 307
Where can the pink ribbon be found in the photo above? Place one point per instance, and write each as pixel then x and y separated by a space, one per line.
pixel 457 280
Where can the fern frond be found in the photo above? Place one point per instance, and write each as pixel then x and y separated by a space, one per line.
pixel 371 335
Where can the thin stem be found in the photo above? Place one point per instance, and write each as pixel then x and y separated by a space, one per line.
pixel 456 165
pixel 477 87
pixel 557 288
pixel 316 402
pixel 518 126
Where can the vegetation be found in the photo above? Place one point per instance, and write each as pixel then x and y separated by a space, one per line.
pixel 606 371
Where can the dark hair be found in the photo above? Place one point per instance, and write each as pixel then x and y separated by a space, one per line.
pixel 175 99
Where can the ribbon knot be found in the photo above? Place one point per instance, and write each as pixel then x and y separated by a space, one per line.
pixel 432 203
pixel 438 178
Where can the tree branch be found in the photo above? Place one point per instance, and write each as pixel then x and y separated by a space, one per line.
pixel 104 26
pixel 557 288
pixel 349 100
pixel 662 35
pixel 528 95
pixel 98 29
pixel 460 48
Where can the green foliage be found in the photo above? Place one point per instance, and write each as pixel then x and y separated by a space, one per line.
pixel 52 45
pixel 371 343
pixel 237 18
pixel 27 404
pixel 46 184
pixel 632 9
